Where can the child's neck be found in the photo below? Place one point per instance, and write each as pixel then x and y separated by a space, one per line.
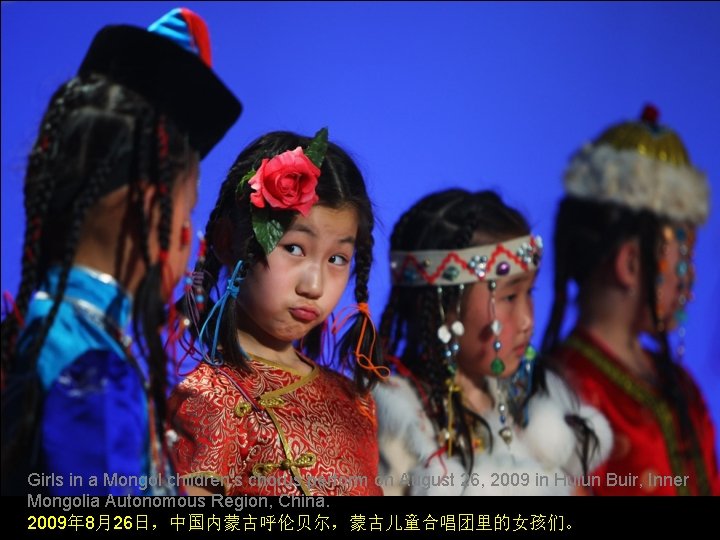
pixel 612 315
pixel 281 354
pixel 625 344
pixel 475 397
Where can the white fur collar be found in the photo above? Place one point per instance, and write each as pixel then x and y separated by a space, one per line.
pixel 545 449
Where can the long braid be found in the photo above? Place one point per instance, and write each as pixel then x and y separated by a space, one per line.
pixel 468 227
pixel 158 358
pixel 32 393
pixel 38 190
pixel 80 209
pixel 149 305
pixel 370 344
pixel 391 332
pixel 40 182
pixel 391 326
pixel 561 277
pixel 144 137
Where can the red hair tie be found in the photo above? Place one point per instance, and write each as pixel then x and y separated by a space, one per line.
pixel 363 360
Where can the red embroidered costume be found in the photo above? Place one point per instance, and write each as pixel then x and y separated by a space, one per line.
pixel 645 425
pixel 293 434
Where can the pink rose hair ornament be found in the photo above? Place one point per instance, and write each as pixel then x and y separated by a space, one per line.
pixel 281 185
pixel 285 182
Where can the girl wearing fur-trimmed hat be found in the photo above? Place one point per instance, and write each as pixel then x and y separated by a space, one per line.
pixel 110 184
pixel 471 411
pixel 624 234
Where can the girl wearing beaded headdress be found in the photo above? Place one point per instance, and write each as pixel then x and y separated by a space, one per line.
pixel 624 234
pixel 469 402
pixel 259 415
pixel 110 185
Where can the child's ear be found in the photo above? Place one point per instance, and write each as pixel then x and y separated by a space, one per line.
pixel 149 194
pixel 627 264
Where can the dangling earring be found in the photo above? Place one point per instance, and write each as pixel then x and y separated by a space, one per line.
pixel 448 337
pixel 457 329
pixel 497 366
pixel 500 388
pixel 185 234
pixel 685 274
pixel 661 268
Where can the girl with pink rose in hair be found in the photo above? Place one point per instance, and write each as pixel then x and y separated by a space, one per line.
pixel 258 415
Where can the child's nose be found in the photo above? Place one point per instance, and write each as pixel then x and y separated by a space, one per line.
pixel 527 317
pixel 310 283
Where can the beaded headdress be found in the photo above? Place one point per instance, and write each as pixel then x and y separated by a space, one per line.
pixel 469 265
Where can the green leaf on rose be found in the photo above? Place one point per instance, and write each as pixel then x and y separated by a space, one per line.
pixel 244 180
pixel 318 147
pixel 269 227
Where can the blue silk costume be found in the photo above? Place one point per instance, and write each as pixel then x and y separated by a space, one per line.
pixel 95 418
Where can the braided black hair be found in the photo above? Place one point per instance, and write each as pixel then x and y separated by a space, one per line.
pixel 95 137
pixel 340 184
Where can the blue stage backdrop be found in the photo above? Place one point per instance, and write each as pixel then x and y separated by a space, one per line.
pixel 425 95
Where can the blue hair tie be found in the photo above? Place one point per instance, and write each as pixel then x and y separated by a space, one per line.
pixel 232 290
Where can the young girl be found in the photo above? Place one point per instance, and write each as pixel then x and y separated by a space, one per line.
pixel 110 184
pixel 624 233
pixel 260 416
pixel 470 411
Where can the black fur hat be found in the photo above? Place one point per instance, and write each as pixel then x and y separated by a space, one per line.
pixel 169 64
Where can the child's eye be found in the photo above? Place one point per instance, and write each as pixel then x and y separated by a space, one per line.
pixel 293 249
pixel 510 298
pixel 339 260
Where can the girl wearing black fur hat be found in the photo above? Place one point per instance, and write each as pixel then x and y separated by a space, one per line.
pixel 110 184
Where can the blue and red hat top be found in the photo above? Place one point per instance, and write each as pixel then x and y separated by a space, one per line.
pixel 170 64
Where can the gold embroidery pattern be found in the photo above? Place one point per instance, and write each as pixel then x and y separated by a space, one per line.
pixel 315 414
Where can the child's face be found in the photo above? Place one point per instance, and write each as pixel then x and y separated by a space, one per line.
pixel 514 310
pixel 305 277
